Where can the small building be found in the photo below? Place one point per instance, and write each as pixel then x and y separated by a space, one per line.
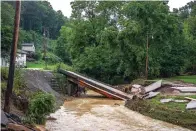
pixel 28 47
pixel 21 58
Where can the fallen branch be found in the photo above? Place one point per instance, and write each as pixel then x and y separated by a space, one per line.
pixel 191 99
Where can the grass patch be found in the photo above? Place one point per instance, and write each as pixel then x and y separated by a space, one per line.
pixel 188 79
pixel 172 112
pixel 37 64
pixel 171 105
pixel 41 64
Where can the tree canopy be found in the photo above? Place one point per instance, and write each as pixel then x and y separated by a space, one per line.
pixel 35 17
pixel 107 40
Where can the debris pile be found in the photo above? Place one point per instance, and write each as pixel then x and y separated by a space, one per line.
pixel 163 88
pixel 13 122
pixel 172 100
pixel 191 105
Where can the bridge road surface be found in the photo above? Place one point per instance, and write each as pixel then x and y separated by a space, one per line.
pixel 98 87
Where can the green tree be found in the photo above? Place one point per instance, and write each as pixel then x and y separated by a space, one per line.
pixel 7 20
pixel 101 30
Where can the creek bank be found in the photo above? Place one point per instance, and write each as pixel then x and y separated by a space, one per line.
pixel 174 113
pixel 35 81
pixel 95 112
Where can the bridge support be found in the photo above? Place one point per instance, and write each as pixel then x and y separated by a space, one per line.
pixel 71 88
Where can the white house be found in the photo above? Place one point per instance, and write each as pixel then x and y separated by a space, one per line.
pixel 4 62
pixel 28 47
pixel 21 58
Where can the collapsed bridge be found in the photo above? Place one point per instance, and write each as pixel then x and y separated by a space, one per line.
pixel 94 85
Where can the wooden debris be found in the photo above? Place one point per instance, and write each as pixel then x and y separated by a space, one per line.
pixel 185 89
pixel 4 119
pixel 151 95
pixel 50 118
pixel 188 98
pixel 166 100
pixel 180 101
pixel 136 86
pixel 153 86
pixel 17 127
pixel 191 105
pixel 40 128
pixel 172 100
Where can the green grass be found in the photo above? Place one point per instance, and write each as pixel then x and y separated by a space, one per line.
pixel 37 64
pixel 170 105
pixel 172 112
pixel 41 64
pixel 188 79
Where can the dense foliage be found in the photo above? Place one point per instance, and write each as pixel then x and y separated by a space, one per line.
pixel 19 83
pixel 35 17
pixel 41 105
pixel 107 40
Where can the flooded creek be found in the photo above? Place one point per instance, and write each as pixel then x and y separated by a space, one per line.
pixel 96 113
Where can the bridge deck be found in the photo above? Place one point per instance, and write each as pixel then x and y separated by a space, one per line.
pixel 97 86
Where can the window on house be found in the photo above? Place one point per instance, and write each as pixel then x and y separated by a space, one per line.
pixel 22 55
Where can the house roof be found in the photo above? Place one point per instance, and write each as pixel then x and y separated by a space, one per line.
pixel 21 51
pixel 27 44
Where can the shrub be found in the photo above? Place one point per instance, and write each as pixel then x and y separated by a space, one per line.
pixel 4 73
pixel 52 58
pixel 37 55
pixel 19 83
pixel 41 105
pixel 66 67
pixel 3 86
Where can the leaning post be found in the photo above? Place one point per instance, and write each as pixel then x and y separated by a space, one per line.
pixel 8 92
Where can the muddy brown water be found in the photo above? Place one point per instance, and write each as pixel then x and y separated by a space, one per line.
pixel 96 113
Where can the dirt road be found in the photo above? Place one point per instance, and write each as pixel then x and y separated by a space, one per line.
pixel 96 113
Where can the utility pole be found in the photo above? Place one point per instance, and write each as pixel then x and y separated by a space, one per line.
pixel 44 43
pixel 8 92
pixel 147 57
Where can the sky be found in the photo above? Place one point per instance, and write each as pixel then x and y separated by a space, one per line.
pixel 65 7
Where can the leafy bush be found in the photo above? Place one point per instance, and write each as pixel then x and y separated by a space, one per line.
pixel 41 105
pixel 19 83
pixel 65 67
pixel 37 55
pixel 4 73
pixel 55 67
pixel 3 86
